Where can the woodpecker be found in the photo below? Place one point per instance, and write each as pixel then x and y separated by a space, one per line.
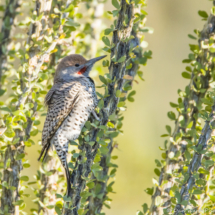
pixel 70 101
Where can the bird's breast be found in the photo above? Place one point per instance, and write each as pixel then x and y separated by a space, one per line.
pixel 78 116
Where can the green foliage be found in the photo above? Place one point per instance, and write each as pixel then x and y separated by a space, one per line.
pixel 37 54
pixel 179 158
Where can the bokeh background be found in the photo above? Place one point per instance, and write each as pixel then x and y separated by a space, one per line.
pixel 145 119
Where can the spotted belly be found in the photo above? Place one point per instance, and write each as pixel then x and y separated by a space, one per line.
pixel 76 119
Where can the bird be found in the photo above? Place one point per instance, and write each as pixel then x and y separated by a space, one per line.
pixel 70 102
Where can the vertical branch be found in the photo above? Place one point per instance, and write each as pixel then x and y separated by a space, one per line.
pixel 187 122
pixel 101 189
pixel 205 139
pixel 49 177
pixel 19 137
pixel 8 20
pixel 49 186
pixel 85 161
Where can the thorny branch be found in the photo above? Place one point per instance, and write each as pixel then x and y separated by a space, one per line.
pixel 204 140
pixel 190 115
pixel 117 71
pixel 11 174
pixel 7 26
pixel 96 202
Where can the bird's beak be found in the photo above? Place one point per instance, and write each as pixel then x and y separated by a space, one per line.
pixel 92 61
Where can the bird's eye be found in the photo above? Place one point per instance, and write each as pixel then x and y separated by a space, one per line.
pixel 77 65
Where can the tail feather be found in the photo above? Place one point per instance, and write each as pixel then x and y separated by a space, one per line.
pixel 44 151
pixel 68 192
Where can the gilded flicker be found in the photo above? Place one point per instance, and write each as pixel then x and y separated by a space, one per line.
pixel 70 102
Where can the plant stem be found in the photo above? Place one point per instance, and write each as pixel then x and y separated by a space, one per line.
pixel 189 114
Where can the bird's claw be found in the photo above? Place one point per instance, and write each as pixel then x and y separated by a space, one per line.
pixel 95 115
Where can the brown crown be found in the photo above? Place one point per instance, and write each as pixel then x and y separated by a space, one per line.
pixel 71 60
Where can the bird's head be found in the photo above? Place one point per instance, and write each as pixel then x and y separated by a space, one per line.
pixel 74 66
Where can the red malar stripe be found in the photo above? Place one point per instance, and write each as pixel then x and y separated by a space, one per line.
pixel 82 70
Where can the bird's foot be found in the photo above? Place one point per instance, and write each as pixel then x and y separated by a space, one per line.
pixel 95 115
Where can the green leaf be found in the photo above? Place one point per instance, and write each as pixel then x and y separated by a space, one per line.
pixel 130 98
pixel 213 10
pixel 158 163
pixel 168 128
pixel 70 8
pixel 102 79
pixel 171 115
pixel 67 198
pixel 186 61
pixel 115 12
pixel 73 143
pixel 122 59
pixel 58 196
pixel 118 93
pixel 108 31
pixel 178 197
pixel 75 155
pixel 132 93
pixel 110 125
pixel 212 198
pixel 26 165
pixel 106 41
pixel 5 109
pixel 24 178
pixel 190 124
pixel 104 150
pixel 193 202
pixel 203 14
pixel 115 3
pixel 105 63
pixel 38 18
pixel 82 211
pixel 2 92
pixel 96 167
pixel 140 75
pixel 121 104
pixel 197 192
pixel 34 132
pixel 203 171
pixel 114 134
pixel 18 202
pixel 57 210
pixel 186 75
pixel 173 105
pixel 149 190
pixel 191 37
pixel 101 104
pixel 9 133
pixel 165 135
pixel 145 207
pixel 20 156
pixel 157 172
pixel 32 182
pixel 90 184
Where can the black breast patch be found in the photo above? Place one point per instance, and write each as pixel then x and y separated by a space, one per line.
pixel 91 80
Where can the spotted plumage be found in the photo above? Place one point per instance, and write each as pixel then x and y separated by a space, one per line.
pixel 70 102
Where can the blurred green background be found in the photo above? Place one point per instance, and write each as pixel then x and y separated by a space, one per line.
pixel 145 119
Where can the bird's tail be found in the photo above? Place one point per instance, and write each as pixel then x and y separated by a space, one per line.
pixel 44 151
pixel 68 192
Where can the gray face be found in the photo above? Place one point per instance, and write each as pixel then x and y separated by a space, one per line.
pixel 76 71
